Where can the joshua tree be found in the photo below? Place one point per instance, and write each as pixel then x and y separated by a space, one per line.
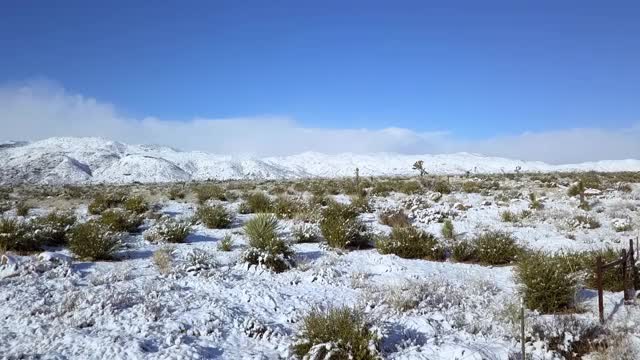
pixel 419 165
pixel 358 179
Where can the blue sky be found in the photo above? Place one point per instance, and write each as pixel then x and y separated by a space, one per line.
pixel 476 69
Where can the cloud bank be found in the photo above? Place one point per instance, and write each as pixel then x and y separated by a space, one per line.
pixel 40 110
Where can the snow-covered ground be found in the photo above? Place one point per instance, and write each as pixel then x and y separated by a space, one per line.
pixel 96 160
pixel 54 307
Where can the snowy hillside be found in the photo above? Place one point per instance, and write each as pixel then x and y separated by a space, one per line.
pixel 95 160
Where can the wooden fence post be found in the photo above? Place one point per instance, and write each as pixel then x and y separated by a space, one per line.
pixel 630 288
pixel 599 285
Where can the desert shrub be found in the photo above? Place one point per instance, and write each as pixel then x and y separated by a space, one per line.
pixel 341 229
pixel 464 251
pixel 94 240
pixel 266 248
pixel 231 195
pixel 442 187
pixel 213 217
pixel 176 193
pixel 226 243
pixel 382 188
pixel 4 206
pixel 586 222
pixel 337 333
pixel 534 203
pixel 206 192
pixel 624 187
pixel 287 208
pixel 496 248
pixel 136 204
pixel 585 262
pixel 121 220
pixel 200 261
pixel 571 337
pixel 394 218
pixel 53 228
pixel 508 216
pixel 17 236
pixel 256 202
pixel 360 204
pixel 163 259
pixel 409 187
pixel 102 202
pixel 411 243
pixel 545 282
pixel 447 229
pixel 471 186
pixel 22 208
pixel 168 230
pixel 305 233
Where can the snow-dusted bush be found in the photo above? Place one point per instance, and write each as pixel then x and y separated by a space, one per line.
pixel 585 222
pixel 496 248
pixel 226 243
pixel 136 204
pixel 337 333
pixel 411 243
pixel 205 192
pixel 266 248
pixel 213 217
pixel 53 228
pixel 305 233
pixel 94 241
pixel 286 207
pixel 447 229
pixel 199 260
pixel 341 228
pixel 360 203
pixel 464 251
pixel 441 186
pixel 175 193
pixel 534 202
pixel 546 282
pixel 16 236
pixel 471 186
pixel 256 202
pixel 394 218
pixel 121 220
pixel 509 216
pixel 168 230
pixel 569 336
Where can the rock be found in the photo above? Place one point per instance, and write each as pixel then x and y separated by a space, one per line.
pixel 592 192
pixel 487 203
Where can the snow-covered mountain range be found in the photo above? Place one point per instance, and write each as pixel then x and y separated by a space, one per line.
pixel 96 160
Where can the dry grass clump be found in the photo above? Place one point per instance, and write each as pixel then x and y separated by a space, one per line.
pixel 360 203
pixel 176 193
pixel 226 243
pixel 163 258
pixel 94 241
pixel 214 217
pixel 586 222
pixel 337 333
pixel 22 208
pixel 411 243
pixel 394 218
pixel 509 216
pixel 341 228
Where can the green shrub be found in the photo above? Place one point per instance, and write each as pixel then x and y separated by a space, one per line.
pixel 22 208
pixel 52 229
pixel 168 230
pixel 121 220
pixel 136 204
pixel 341 229
pixel 213 217
pixel 102 202
pixel 464 251
pixel 394 218
pixel 176 193
pixel 497 248
pixel 447 229
pixel 509 216
pixel 226 243
pixel 338 333
pixel 409 187
pixel 287 208
pixel 93 241
pixel 256 202
pixel 471 186
pixel 17 236
pixel 442 187
pixel 206 192
pixel 546 283
pixel 266 248
pixel 411 243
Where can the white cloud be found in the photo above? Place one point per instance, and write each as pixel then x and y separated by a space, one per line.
pixel 39 110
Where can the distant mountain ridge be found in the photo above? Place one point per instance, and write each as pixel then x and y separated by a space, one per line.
pixel 67 160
